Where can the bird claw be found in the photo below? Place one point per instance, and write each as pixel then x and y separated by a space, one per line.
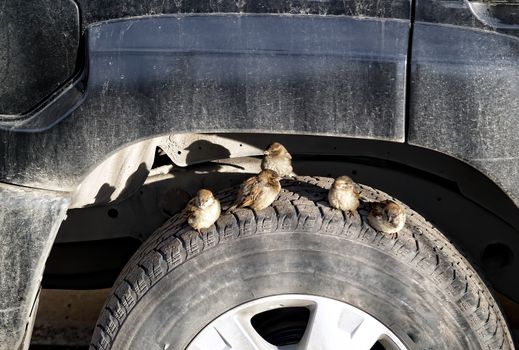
pixel 393 235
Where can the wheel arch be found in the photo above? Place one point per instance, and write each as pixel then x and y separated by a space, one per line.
pixel 447 191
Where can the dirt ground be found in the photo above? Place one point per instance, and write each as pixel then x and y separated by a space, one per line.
pixel 66 318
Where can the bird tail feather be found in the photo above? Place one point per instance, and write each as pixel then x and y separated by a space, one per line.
pixel 230 209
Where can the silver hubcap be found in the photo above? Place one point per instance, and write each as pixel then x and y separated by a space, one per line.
pixel 332 325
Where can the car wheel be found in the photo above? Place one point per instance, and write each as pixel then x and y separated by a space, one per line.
pixel 300 275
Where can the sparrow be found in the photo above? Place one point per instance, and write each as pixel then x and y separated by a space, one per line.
pixel 344 195
pixel 259 191
pixel 387 217
pixel 277 158
pixel 202 211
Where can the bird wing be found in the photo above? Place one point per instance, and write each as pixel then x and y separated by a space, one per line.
pixel 377 209
pixel 248 185
pixel 190 208
pixel 254 193
pixel 251 190
pixel 243 193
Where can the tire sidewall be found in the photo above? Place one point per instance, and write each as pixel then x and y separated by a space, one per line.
pixel 232 273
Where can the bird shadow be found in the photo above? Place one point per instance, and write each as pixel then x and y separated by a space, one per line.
pixel 198 150
pixel 134 182
pixel 104 194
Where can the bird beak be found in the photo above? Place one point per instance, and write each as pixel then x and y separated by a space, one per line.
pixel 266 153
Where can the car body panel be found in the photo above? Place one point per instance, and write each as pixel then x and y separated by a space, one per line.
pixel 38 58
pixel 29 222
pixel 208 73
pixel 464 92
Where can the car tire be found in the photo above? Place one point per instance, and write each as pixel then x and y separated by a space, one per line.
pixel 418 285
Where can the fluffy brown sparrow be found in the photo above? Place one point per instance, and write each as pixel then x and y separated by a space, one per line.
pixel 277 158
pixel 259 191
pixel 344 195
pixel 387 217
pixel 203 210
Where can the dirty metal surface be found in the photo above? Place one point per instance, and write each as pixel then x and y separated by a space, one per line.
pixel 39 41
pixel 159 75
pixel 101 10
pixel 29 221
pixel 501 16
pixel 465 99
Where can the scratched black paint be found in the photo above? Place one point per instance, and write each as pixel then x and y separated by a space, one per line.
pixel 465 98
pixel 296 74
pixel 100 10
pixel 38 51
pixel 29 221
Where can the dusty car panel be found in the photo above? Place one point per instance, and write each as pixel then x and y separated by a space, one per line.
pixel 36 59
pixel 29 221
pixel 464 93
pixel 312 75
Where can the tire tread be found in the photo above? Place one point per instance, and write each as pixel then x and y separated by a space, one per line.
pixel 300 209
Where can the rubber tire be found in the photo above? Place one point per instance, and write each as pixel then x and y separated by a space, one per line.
pixel 418 285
